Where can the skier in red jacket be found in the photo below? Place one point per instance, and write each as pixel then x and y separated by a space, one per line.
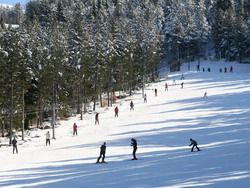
pixel 166 86
pixel 74 129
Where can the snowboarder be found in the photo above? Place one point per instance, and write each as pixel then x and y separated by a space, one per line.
pixel 182 83
pixel 155 92
pixel 97 118
pixel 145 98
pixel 134 144
pixel 47 138
pixel 166 86
pixel 116 111
pixel 74 129
pixel 14 143
pixel 102 153
pixel 231 69
pixel 131 105
pixel 194 144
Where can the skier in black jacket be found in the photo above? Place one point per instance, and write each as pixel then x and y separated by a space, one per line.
pixel 134 144
pixel 102 153
pixel 194 144
pixel 14 143
pixel 131 105
pixel 97 118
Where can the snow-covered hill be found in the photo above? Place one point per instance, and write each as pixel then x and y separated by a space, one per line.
pixel 162 126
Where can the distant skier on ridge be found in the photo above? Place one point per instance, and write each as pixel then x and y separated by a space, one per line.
pixel 14 143
pixel 155 92
pixel 47 138
pixel 131 105
pixel 74 129
pixel 166 86
pixel 145 98
pixel 97 118
pixel 116 111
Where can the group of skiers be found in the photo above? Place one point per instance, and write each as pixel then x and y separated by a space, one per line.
pixel 208 69
pixel 226 70
pixel 131 104
pixel 103 151
pixel 174 83
pixel 14 142
pixel 103 147
pixel 102 155
pixel 194 143
pixel 220 70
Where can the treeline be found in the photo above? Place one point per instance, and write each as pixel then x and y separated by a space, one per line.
pixel 68 53
pixel 11 14
pixel 231 29
pixel 207 28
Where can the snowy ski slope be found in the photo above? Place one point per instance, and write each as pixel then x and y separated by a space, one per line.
pixel 163 126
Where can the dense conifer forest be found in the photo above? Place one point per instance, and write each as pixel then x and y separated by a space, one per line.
pixel 58 56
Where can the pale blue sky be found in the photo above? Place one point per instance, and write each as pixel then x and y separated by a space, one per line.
pixel 12 2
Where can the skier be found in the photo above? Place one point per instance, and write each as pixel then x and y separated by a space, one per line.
pixel 220 69
pixel 166 86
pixel 116 111
pixel 194 144
pixel 14 143
pixel 208 69
pixel 74 129
pixel 231 69
pixel 131 105
pixel 47 138
pixel 182 83
pixel 134 144
pixel 205 95
pixel 203 69
pixel 102 153
pixel 225 69
pixel 198 67
pixel 145 98
pixel 155 92
pixel 97 118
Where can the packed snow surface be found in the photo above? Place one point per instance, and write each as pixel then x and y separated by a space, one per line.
pixel 220 123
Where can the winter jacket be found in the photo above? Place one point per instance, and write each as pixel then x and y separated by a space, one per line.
pixel 193 143
pixel 134 143
pixel 116 110
pixel 103 149
pixel 75 127
pixel 14 142
pixel 47 135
